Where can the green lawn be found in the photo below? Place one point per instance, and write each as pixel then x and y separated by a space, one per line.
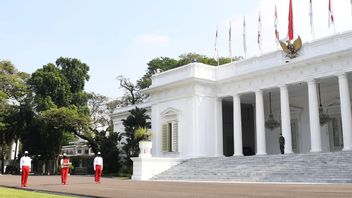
pixel 8 192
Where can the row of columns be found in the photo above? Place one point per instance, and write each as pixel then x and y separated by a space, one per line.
pixel 286 120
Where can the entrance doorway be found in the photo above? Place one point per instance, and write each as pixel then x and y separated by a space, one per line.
pixel 248 137
pixel 335 133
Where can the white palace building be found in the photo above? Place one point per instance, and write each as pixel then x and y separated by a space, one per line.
pixel 199 110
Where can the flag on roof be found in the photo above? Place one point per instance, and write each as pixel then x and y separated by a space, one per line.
pixel 259 41
pixel 277 36
pixel 244 37
pixel 290 22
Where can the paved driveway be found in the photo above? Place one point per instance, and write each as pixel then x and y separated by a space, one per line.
pixel 112 187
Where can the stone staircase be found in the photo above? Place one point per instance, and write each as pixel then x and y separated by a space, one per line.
pixel 332 167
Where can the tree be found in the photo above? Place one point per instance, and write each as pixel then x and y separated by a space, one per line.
pixel 13 91
pixel 165 63
pixel 132 93
pixel 60 104
pixel 51 88
pixel 76 74
pixel 155 65
pixel 137 119
pixel 110 150
pixel 106 140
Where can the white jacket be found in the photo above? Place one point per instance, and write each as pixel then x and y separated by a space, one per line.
pixel 98 161
pixel 25 161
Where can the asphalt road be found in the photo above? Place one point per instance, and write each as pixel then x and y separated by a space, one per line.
pixel 113 187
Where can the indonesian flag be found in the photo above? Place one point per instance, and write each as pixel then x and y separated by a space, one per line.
pixel 259 33
pixel 290 22
pixel 230 40
pixel 331 16
pixel 311 17
pixel 275 26
pixel 244 37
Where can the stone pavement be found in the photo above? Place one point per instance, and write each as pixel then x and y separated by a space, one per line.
pixel 112 187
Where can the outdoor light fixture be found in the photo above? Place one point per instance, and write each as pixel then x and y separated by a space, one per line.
pixel 271 123
pixel 323 117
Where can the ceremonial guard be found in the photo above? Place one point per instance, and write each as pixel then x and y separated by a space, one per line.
pixel 282 144
pixel 25 168
pixel 65 165
pixel 98 167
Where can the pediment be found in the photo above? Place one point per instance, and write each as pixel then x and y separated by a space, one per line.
pixel 170 112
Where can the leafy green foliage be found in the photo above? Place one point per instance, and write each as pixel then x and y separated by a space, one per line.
pixel 137 119
pixel 51 88
pixel 13 91
pixel 61 107
pixel 142 133
pixel 165 63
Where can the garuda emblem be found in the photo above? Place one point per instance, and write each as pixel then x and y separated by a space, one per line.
pixel 291 49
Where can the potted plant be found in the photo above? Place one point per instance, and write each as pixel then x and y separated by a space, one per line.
pixel 145 145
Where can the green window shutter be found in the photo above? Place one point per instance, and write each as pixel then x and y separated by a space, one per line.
pixel 164 138
pixel 174 136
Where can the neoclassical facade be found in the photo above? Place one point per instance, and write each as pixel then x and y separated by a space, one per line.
pixel 204 111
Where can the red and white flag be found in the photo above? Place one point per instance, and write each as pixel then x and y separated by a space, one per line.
pixel 311 18
pixel 244 37
pixel 230 41
pixel 259 41
pixel 277 36
pixel 290 22
pixel 331 15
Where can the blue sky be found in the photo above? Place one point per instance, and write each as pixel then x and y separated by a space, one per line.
pixel 119 37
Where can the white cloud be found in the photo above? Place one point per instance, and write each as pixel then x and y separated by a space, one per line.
pixel 152 39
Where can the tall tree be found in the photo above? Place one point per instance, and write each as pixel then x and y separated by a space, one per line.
pixel 61 104
pixel 13 91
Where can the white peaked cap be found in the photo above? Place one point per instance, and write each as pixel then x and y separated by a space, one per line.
pixel 25 152
pixel 65 154
pixel 99 153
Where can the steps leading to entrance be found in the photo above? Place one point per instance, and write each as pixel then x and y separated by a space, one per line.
pixel 333 167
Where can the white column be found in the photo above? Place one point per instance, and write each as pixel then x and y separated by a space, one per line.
pixel 286 118
pixel 315 136
pixel 259 113
pixel 219 129
pixel 237 125
pixel 345 111
pixel 12 149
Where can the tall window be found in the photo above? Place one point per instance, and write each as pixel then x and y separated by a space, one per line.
pixel 170 136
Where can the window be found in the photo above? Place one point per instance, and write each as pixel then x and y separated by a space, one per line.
pixel 86 151
pixel 79 151
pixel 170 136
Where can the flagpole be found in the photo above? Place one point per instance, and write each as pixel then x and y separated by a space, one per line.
pixel 277 36
pixel 244 38
pixel 259 34
pixel 216 52
pixel 311 19
pixel 230 40
pixel 331 17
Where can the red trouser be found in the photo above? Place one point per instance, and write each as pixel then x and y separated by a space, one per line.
pixel 24 177
pixel 97 173
pixel 64 172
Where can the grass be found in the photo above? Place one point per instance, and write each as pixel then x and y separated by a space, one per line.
pixel 8 192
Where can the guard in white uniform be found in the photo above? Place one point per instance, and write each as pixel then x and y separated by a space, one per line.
pixel 98 167
pixel 25 168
